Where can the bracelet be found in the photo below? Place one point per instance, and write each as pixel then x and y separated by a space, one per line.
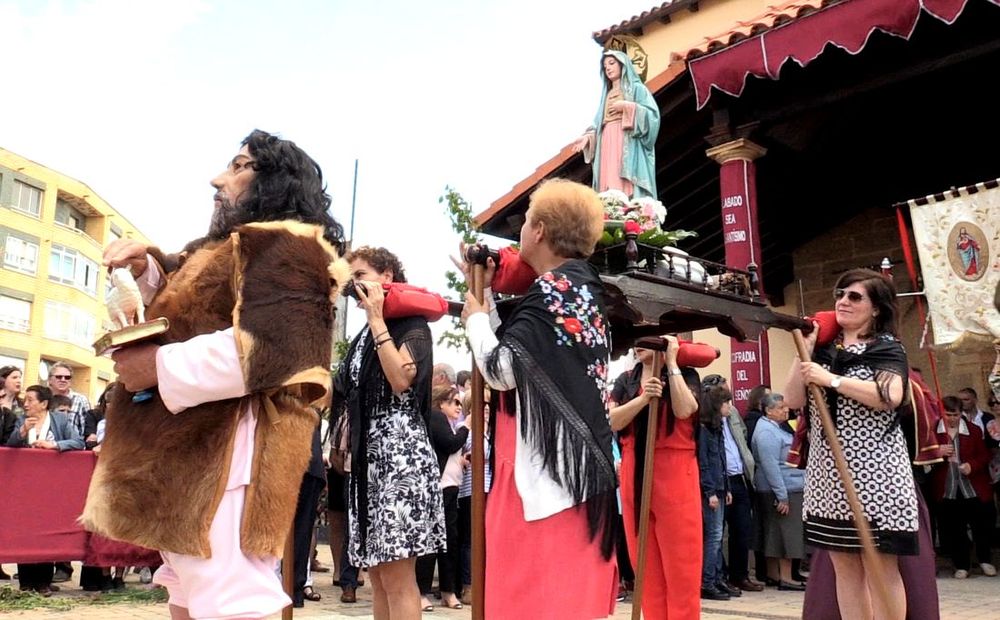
pixel 379 343
pixel 377 336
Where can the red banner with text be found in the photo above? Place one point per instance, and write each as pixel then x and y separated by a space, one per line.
pixel 749 361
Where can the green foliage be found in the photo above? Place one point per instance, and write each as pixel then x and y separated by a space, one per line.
pixel 12 599
pixel 460 214
pixel 340 349
pixel 16 600
pixel 130 596
pixel 658 238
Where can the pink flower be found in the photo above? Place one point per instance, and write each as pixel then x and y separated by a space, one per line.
pixel 631 226
pixel 562 285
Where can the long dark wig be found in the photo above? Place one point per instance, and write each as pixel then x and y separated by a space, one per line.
pixel 288 185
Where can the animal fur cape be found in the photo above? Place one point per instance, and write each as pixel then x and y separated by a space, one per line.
pixel 160 477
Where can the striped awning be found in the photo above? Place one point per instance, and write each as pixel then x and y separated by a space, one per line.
pixel 778 38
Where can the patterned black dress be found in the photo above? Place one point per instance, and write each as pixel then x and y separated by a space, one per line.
pixel 876 454
pixel 405 512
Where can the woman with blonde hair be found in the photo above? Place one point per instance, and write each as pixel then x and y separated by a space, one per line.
pixel 553 505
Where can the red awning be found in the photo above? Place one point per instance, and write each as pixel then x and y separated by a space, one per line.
pixel 847 25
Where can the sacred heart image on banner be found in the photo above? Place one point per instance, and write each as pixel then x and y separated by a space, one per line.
pixel 958 236
pixel 968 251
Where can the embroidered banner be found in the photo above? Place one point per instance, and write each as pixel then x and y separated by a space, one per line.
pixel 958 240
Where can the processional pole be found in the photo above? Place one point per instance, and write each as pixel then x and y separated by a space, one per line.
pixel 478 471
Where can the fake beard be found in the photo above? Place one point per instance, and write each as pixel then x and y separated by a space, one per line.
pixel 225 217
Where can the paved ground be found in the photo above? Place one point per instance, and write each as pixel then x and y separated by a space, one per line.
pixel 976 598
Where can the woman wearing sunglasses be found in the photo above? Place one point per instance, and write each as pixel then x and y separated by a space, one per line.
pixel 448 435
pixel 862 373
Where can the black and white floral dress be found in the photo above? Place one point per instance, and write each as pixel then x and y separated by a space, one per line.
pixel 876 454
pixel 405 513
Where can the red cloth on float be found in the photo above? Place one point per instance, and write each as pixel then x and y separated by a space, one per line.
pixel 696 354
pixel 672 582
pixel 513 276
pixel 540 569
pixel 405 300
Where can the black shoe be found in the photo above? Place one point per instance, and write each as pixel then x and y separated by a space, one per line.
pixel 791 587
pixel 733 591
pixel 714 594
pixel 60 576
pixel 771 583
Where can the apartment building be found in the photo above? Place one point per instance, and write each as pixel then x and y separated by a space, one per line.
pixel 53 229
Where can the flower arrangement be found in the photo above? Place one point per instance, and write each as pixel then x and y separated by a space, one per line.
pixel 642 215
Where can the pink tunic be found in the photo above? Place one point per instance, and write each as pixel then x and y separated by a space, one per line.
pixel 230 584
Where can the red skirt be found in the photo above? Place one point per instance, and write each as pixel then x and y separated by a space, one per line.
pixel 540 569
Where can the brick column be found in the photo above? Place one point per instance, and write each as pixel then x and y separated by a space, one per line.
pixel 749 361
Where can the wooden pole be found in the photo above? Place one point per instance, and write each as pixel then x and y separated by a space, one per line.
pixel 478 474
pixel 647 493
pixel 871 556
pixel 288 572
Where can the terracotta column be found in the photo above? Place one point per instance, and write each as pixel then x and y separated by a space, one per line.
pixel 749 361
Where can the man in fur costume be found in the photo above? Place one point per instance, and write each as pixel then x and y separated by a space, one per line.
pixel 208 470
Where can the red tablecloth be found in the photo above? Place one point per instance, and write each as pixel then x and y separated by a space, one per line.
pixel 42 493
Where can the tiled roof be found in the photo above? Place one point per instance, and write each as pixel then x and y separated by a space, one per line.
pixel 775 15
pixel 661 13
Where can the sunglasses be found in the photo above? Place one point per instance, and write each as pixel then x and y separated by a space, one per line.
pixel 62 377
pixel 457 401
pixel 852 296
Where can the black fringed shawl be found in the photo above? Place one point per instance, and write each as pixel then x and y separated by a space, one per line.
pixel 884 355
pixel 558 344
pixel 373 393
pixel 626 388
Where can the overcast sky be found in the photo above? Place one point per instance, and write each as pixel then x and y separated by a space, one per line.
pixel 146 101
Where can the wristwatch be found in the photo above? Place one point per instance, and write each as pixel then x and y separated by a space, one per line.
pixel 676 372
pixel 835 382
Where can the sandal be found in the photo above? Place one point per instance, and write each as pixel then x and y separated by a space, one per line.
pixel 310 595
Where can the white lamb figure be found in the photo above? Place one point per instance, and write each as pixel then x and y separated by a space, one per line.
pixel 124 301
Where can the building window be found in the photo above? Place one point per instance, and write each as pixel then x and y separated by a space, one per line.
pixel 6 360
pixel 26 198
pixel 15 314
pixel 69 267
pixel 65 322
pixel 68 216
pixel 20 255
